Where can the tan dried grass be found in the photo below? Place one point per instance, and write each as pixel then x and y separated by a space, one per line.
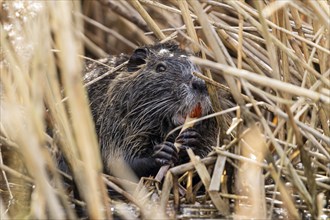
pixel 273 59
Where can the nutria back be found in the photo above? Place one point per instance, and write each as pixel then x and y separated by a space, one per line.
pixel 135 108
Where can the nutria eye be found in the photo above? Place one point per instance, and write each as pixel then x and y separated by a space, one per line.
pixel 161 67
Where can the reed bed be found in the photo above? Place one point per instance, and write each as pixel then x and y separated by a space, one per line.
pixel 269 58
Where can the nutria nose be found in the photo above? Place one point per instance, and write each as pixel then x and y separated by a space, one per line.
pixel 198 85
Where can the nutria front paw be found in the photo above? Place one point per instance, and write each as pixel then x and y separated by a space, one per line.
pixel 189 138
pixel 165 153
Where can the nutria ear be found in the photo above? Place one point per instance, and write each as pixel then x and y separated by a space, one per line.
pixel 138 58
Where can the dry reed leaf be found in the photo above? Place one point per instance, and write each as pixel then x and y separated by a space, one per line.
pixel 219 167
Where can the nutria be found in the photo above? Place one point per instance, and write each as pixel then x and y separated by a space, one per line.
pixel 135 108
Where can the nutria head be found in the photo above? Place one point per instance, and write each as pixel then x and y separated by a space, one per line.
pixel 160 82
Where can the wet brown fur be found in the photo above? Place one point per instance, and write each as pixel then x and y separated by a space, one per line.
pixel 135 108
